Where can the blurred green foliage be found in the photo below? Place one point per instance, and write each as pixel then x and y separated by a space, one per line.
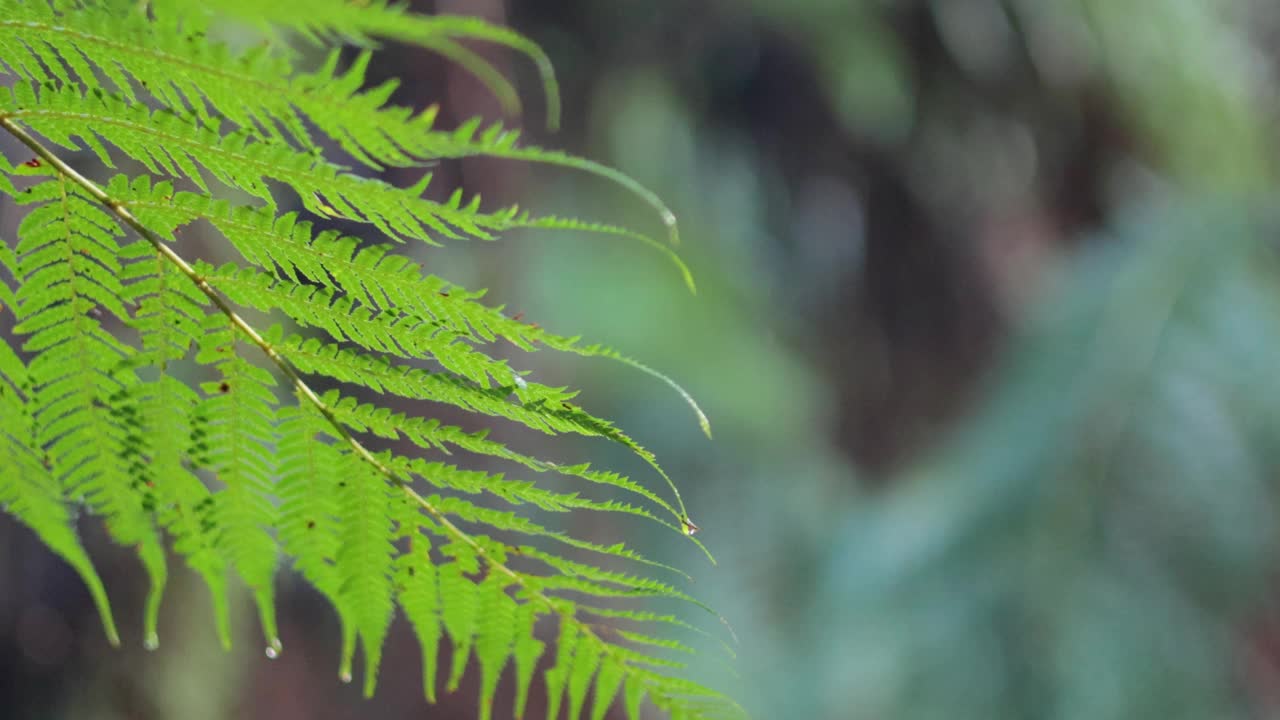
pixel 1093 541
pixel 1092 532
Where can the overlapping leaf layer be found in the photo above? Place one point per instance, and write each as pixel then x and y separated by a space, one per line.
pixel 133 386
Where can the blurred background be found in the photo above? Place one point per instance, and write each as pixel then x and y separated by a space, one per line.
pixel 988 328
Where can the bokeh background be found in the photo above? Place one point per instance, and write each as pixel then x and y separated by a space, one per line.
pixel 988 328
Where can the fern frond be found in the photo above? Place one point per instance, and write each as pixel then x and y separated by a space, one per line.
pixel 68 268
pixel 588 658
pixel 496 141
pixel 673 694
pixel 394 333
pixel 371 276
pixel 496 636
pixel 168 318
pixel 238 478
pixel 585 575
pixel 29 491
pixel 524 654
pixel 558 675
pixel 166 57
pixel 309 525
pixel 169 143
pixel 430 434
pixel 232 425
pixel 174 60
pixel 177 145
pixel 169 310
pixel 461 614
pixel 461 510
pixel 378 18
pixel 365 558
pixel 418 595
pixel 516 492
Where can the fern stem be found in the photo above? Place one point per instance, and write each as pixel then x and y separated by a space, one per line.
pixel 295 379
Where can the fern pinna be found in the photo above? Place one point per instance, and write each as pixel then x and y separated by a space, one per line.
pixel 133 386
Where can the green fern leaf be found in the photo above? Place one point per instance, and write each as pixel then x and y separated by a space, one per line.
pixel 235 476
pixel 497 637
pixel 558 675
pixel 309 524
pixel 586 661
pixel 168 320
pixel 419 597
pixel 365 559
pixel 208 75
pixel 525 653
pixel 608 681
pixel 378 18
pixel 461 614
pixel 67 265
pixel 233 424
pixel 29 491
